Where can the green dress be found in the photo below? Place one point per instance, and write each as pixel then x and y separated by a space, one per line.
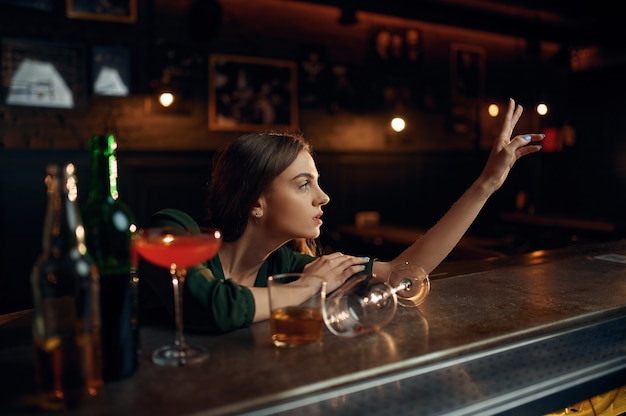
pixel 212 304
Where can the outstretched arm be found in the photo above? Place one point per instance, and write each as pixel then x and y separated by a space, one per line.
pixel 434 246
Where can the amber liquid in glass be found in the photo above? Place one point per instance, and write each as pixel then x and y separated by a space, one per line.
pixel 296 325
pixel 63 381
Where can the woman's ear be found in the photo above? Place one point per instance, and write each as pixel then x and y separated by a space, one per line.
pixel 257 209
pixel 260 203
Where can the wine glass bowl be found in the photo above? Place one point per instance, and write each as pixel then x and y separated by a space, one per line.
pixel 177 249
pixel 411 284
pixel 363 304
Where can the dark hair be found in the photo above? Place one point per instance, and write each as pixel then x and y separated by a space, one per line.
pixel 242 171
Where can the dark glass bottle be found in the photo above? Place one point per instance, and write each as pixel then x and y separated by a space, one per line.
pixel 109 226
pixel 65 285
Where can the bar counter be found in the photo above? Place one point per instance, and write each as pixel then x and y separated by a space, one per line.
pixel 525 335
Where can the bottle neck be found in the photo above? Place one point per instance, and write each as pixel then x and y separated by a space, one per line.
pixel 103 168
pixel 63 228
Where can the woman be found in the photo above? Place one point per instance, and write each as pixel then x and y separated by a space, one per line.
pixel 264 196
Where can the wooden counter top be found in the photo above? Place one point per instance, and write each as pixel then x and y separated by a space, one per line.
pixel 524 338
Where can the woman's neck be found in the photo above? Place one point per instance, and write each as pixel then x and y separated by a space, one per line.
pixel 242 259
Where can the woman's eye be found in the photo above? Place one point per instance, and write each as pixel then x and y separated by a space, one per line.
pixel 305 185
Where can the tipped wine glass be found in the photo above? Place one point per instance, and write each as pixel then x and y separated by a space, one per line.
pixel 177 249
pixel 362 305
pixel 366 303
pixel 411 284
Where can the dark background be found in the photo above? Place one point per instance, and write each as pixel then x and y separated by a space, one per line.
pixel 165 156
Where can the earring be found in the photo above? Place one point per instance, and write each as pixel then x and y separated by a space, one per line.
pixel 257 214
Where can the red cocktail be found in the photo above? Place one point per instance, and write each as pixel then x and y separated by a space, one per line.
pixel 176 249
pixel 181 250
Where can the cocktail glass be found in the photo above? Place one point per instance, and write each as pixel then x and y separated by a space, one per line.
pixel 177 249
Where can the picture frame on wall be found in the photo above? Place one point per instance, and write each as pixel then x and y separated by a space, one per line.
pixel 252 94
pixel 43 74
pixel 110 71
pixel 467 69
pixel 121 11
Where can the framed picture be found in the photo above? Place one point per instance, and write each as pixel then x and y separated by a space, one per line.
pixel 467 72
pixel 252 94
pixel 123 11
pixel 43 74
pixel 110 71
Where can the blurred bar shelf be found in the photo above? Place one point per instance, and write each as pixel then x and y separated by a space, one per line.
pixel 527 335
pixel 569 223
pixel 396 238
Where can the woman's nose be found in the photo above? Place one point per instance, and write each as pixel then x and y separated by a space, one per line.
pixel 323 198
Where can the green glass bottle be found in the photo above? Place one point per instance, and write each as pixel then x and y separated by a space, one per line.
pixel 65 285
pixel 109 226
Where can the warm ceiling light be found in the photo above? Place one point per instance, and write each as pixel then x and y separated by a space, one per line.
pixel 542 109
pixel 166 99
pixel 493 110
pixel 398 124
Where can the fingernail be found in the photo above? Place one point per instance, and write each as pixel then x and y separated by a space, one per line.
pixel 527 137
pixel 543 135
pixel 362 266
pixel 366 258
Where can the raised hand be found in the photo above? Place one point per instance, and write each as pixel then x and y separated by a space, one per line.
pixel 507 149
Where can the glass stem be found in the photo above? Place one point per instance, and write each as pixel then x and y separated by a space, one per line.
pixel 405 284
pixel 178 279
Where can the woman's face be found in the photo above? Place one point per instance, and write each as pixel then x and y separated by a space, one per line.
pixel 292 206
